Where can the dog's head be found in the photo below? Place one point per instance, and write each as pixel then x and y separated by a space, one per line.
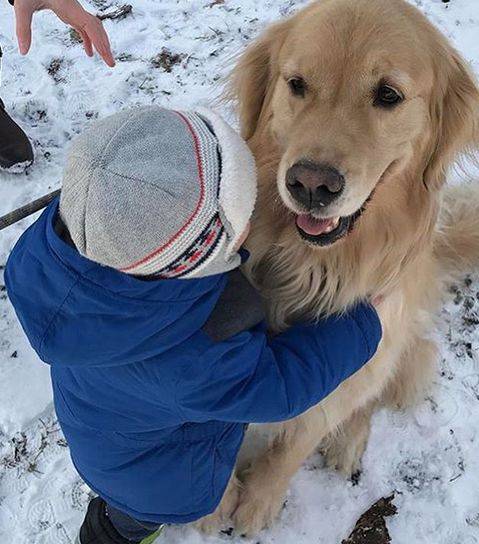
pixel 353 93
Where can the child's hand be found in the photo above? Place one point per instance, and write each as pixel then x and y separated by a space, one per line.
pixel 89 27
pixel 376 301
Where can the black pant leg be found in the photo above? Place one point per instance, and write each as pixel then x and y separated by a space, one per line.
pixel 128 527
pixel 106 525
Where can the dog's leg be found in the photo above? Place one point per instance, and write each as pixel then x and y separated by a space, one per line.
pixel 221 517
pixel 343 449
pixel 413 375
pixel 265 484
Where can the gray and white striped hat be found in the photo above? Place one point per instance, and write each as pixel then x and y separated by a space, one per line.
pixel 151 191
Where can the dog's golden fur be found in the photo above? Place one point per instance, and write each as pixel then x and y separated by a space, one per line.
pixel 398 249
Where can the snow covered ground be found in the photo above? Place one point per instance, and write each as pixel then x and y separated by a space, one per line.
pixel 428 456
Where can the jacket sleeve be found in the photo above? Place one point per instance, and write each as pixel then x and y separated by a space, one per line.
pixel 252 379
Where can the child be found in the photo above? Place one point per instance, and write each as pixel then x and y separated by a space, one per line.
pixel 129 288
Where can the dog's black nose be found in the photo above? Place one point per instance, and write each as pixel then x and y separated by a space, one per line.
pixel 314 185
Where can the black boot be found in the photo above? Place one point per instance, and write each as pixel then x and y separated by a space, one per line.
pixel 97 528
pixel 16 152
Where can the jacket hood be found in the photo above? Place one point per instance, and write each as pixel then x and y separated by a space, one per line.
pixel 94 315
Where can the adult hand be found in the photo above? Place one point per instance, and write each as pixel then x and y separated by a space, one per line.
pixel 89 27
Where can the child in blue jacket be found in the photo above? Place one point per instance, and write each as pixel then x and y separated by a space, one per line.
pixel 129 288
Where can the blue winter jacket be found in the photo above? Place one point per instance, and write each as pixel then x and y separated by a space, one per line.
pixel 153 409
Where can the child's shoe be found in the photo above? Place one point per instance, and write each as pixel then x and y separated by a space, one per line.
pixel 98 529
pixel 152 538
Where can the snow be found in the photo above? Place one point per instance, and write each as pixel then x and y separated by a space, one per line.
pixel 427 455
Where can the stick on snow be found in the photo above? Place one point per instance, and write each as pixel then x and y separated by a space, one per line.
pixel 29 209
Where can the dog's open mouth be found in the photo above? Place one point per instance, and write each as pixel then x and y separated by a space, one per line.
pixel 324 232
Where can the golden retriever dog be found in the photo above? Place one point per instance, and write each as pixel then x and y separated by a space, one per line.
pixel 354 110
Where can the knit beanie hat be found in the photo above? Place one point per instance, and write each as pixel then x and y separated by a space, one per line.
pixel 151 191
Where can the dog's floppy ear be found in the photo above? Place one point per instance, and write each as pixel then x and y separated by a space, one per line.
pixel 454 116
pixel 253 75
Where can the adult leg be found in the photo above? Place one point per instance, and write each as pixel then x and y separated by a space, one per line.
pixel 15 147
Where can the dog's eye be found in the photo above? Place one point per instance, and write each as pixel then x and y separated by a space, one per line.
pixel 387 97
pixel 297 86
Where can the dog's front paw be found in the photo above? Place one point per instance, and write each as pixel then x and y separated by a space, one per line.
pixel 347 461
pixel 343 450
pixel 257 509
pixel 220 519
pixel 211 524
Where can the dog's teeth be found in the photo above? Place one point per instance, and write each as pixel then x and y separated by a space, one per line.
pixel 334 224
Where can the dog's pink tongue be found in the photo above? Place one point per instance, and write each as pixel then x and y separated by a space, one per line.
pixel 313 226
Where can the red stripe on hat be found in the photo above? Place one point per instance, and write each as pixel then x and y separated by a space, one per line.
pixel 195 256
pixel 196 210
